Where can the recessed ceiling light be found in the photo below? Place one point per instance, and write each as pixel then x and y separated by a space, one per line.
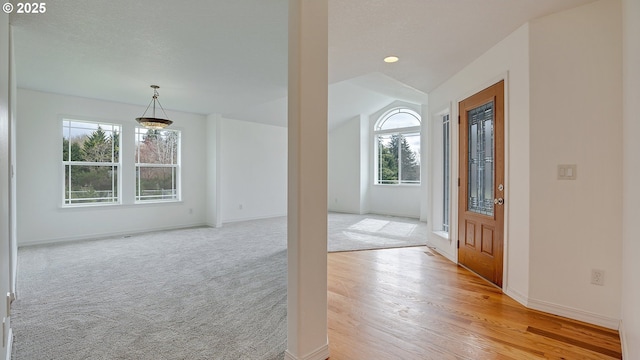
pixel 391 59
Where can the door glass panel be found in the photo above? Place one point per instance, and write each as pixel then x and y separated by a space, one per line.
pixel 480 170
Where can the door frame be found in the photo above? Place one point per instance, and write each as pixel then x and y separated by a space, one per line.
pixel 455 172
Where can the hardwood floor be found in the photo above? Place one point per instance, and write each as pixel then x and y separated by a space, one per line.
pixel 411 303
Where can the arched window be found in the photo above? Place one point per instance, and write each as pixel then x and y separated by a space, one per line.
pixel 397 147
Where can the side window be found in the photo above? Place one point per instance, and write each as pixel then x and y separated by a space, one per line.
pixel 157 165
pixel 397 147
pixel 446 146
pixel 91 162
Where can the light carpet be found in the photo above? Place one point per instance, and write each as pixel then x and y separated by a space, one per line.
pixel 199 293
pixel 348 232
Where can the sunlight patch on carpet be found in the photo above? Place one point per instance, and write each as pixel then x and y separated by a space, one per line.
pixel 394 228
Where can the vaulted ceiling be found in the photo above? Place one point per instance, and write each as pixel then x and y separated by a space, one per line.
pixel 230 56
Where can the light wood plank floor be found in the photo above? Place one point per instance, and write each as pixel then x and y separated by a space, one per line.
pixel 411 303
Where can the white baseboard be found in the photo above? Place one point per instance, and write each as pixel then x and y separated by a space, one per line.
pixel 407 216
pixel 560 310
pixel 515 295
pixel 106 235
pixel 623 341
pixel 394 214
pixel 10 344
pixel 440 251
pixel 227 221
pixel 322 353
pixel 576 314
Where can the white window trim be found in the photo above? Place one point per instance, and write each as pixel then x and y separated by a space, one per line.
pixel 436 168
pixel 176 166
pixel 404 130
pixel 66 203
pixel 446 178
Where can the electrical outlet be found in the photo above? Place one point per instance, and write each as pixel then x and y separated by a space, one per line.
pixel 597 277
pixel 567 171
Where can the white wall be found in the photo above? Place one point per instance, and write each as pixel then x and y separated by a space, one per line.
pixel 13 107
pixel 630 329
pixel 214 156
pixel 41 217
pixel 426 164
pixel 345 168
pixel 396 200
pixel 366 172
pixel 563 106
pixel 576 119
pixel 508 59
pixel 253 170
pixel 5 189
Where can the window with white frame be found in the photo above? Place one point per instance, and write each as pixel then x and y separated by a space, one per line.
pixel 446 177
pixel 91 162
pixel 397 147
pixel 157 165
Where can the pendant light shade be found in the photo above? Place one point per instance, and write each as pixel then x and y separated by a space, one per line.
pixel 153 122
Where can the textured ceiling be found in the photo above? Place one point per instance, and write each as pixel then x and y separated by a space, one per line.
pixel 230 56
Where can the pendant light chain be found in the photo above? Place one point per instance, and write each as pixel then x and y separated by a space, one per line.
pixel 153 122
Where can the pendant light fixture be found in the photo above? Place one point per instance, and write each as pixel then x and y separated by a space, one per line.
pixel 153 122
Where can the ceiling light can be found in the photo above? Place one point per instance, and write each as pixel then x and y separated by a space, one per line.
pixel 391 59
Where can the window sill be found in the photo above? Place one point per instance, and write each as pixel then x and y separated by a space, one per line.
pixel 398 185
pixel 83 207
pixel 156 202
pixel 441 234
pixel 89 205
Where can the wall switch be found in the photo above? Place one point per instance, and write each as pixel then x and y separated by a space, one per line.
pixel 567 171
pixel 597 277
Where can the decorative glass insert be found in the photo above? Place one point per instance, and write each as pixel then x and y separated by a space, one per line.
pixel 91 161
pixel 481 160
pixel 445 173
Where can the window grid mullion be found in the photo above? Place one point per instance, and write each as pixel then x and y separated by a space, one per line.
pixel 399 158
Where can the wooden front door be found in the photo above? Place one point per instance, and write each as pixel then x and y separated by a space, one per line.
pixel 481 185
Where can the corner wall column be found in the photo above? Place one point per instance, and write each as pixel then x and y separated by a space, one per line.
pixel 214 139
pixel 307 181
pixel 630 324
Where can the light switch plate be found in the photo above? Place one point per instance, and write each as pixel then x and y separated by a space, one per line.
pixel 567 171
